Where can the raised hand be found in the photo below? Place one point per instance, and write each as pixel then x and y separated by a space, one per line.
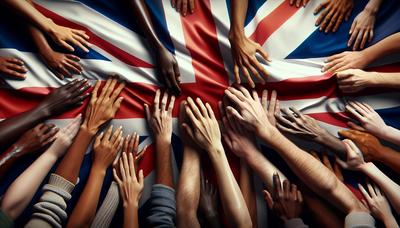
pixel 355 159
pixel 299 3
pixel 130 185
pixel 184 119
pixel 64 37
pixel 62 65
pixel 131 146
pixel 333 14
pixel 368 118
pixel 208 201
pixel 345 60
pixel 12 67
pixel 362 29
pixel 65 137
pixel 204 128
pixel 354 80
pixel 160 119
pixel 250 112
pixel 64 97
pixel 183 6
pixel 168 70
pixel 286 201
pixel 244 57
pixel 377 204
pixel 106 147
pixel 369 145
pixel 103 108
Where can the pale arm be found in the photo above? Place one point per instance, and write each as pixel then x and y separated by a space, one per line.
pixel 387 46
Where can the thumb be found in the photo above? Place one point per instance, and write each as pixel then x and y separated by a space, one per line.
pixel 268 199
pixel 188 130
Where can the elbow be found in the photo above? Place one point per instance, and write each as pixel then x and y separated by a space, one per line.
pixel 10 209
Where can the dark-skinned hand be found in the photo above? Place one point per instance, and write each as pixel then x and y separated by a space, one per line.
pixel 168 70
pixel 362 30
pixel 298 3
pixel 183 6
pixel 62 65
pixel 286 201
pixel 12 67
pixel 333 14
pixel 65 97
pixel 36 138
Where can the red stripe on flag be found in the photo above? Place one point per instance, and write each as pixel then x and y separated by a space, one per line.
pixel 96 40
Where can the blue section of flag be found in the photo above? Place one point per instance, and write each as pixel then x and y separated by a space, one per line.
pixel 252 9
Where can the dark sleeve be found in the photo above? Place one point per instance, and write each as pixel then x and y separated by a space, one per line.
pixel 162 207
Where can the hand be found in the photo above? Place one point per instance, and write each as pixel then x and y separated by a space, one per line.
pixel 287 202
pixel 355 159
pixel 64 36
pixel 64 97
pixel 333 14
pixel 301 125
pixel 345 60
pixel 36 138
pixel 168 70
pixel 250 112
pixel 65 137
pixel 62 65
pixel 369 119
pixel 182 6
pixel 13 68
pixel 354 80
pixel 299 3
pixel 104 107
pixel 334 167
pixel 208 201
pixel 184 119
pixel 376 202
pixel 239 140
pixel 130 186
pixel 204 128
pixel 272 108
pixel 368 144
pixel 131 146
pixel 244 57
pixel 106 147
pixel 160 120
pixel 362 29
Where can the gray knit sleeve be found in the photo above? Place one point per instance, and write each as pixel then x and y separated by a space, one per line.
pixel 295 223
pixel 108 208
pixel 50 210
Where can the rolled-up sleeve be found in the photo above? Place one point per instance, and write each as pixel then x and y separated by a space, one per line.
pixel 162 207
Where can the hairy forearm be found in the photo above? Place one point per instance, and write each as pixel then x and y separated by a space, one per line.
pixel 246 185
pixel 238 12
pixel 387 185
pixel 22 190
pixel 387 46
pixel 14 127
pixel 164 173
pixel 70 165
pixel 142 15
pixel 313 173
pixel 231 197
pixel 85 209
pixel 131 216
pixel 188 192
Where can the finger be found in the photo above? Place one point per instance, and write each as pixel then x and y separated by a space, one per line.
pixel 175 86
pixel 371 190
pixel 117 91
pixel 81 33
pixel 16 61
pixel 73 57
pixel 126 164
pixel 355 126
pixel 268 199
pixel 272 103
pixel 116 177
pixel 110 88
pixel 278 192
pixel 338 23
pixel 134 144
pixel 354 112
pixel 157 101
pixel 178 5
pixel 122 168
pixel 164 101
pixel 264 100
pixel 233 97
pixel 117 104
pixel 332 22
pixel 320 7
pixel 95 90
pixel 105 89
pixel 358 40
pixel 326 162
pixel 141 177
pixel 75 40
pixel 98 140
pixel 147 111
pixel 191 5
pixel 236 73
pixel 117 135
pixel 245 92
pixel 210 111
pixel 132 166
pixel 171 104
pixel 353 37
pixel 247 76
pixel 126 143
pixel 71 68
pixel 184 8
pixel 65 45
pixel 17 68
pixel 234 113
pixel 364 39
pixel 286 190
pixel 365 194
pixel 14 74
pixel 188 130
pixel 107 135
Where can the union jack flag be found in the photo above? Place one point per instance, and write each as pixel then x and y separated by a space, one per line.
pixel 201 47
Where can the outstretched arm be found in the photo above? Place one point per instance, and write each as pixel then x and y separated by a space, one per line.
pixel 188 190
pixel 246 185
pixel 165 61
pixel 205 132
pixel 55 103
pixel 22 190
pixel 105 148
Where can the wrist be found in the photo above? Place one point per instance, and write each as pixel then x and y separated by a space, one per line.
pixel 216 152
pixel 268 136
pixel 236 34
pixel 162 140
pixel 366 167
pixel 99 168
pixel 84 129
pixel 130 205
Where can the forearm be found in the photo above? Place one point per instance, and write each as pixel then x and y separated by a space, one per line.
pixel 391 134
pixel 387 46
pixel 85 209
pixel 313 173
pixel 387 185
pixel 388 80
pixel 12 128
pixel 390 158
pixel 164 173
pixel 390 221
pixel 22 190
pixel 40 41
pixel 373 6
pixel 231 197
pixel 70 165
pixel 238 14
pixel 131 216
pixel 188 192
pixel 8 159
pixel 144 21
pixel 334 144
pixel 246 185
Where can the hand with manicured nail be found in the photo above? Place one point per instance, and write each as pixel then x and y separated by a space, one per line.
pixel 12 67
pixel 106 147
pixel 334 12
pixel 160 118
pixel 184 6
pixel 103 107
pixel 298 3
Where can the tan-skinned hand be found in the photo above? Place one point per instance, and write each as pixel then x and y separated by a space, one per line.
pixel 106 147
pixel 333 14
pixel 13 68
